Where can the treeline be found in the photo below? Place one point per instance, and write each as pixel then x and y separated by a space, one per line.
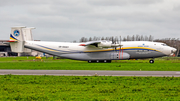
pixel 128 38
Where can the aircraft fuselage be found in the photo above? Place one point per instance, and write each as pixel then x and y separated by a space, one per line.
pixel 129 50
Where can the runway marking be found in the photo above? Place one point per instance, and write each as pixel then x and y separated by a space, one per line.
pixel 177 72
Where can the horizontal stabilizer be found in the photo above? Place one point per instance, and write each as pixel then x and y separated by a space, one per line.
pixel 11 41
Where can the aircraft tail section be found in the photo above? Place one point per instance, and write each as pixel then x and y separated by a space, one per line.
pixel 18 37
pixel 27 33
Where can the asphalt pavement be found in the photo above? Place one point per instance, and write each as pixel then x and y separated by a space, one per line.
pixel 91 73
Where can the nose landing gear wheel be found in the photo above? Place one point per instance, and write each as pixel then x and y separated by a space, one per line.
pixel 151 61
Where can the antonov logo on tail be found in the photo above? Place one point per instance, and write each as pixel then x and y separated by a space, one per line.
pixel 16 33
pixel 92 51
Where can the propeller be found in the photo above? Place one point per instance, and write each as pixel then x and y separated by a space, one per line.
pixel 117 43
pixel 113 43
pixel 120 42
pixel 120 48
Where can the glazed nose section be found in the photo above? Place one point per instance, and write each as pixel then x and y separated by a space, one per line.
pixel 173 50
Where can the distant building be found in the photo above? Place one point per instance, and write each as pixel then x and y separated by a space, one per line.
pixel 5 50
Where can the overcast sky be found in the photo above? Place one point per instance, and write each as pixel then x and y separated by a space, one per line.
pixel 68 20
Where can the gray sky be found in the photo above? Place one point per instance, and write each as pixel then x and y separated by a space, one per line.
pixel 68 20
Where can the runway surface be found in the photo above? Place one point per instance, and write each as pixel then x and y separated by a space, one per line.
pixel 91 73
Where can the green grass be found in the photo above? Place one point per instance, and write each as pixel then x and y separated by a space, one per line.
pixel 161 64
pixel 94 88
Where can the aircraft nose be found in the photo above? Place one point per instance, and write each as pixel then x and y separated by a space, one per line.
pixel 174 50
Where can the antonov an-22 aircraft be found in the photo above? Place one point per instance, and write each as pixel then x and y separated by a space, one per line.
pixel 93 51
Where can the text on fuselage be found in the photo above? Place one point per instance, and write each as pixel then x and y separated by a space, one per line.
pixel 63 46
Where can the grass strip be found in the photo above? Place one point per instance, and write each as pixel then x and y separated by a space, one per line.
pixel 85 88
pixel 31 63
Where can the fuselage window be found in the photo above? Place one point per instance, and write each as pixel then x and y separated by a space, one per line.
pixel 164 44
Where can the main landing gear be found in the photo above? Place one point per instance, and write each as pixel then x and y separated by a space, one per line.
pixel 99 61
pixel 151 61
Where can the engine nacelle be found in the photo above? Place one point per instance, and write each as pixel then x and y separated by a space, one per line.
pixel 107 44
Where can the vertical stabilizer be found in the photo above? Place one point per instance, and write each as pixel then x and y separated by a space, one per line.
pixel 16 35
pixel 27 33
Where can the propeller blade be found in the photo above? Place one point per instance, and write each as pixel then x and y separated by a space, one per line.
pixel 120 40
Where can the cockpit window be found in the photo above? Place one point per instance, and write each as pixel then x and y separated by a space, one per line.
pixel 164 44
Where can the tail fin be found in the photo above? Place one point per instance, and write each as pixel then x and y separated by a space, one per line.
pixel 20 35
pixel 27 33
pixel 16 33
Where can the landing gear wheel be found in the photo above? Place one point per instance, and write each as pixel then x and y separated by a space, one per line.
pixel 99 61
pixel 151 61
pixel 89 61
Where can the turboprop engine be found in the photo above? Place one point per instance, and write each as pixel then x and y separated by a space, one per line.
pixel 107 44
